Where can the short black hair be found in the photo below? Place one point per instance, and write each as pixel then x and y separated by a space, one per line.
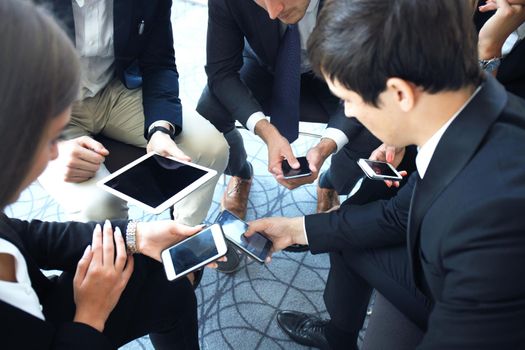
pixel 362 43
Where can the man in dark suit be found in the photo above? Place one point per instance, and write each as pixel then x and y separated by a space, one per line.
pixel 129 93
pixel 246 50
pixel 449 249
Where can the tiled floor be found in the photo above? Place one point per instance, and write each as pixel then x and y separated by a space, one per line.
pixel 237 311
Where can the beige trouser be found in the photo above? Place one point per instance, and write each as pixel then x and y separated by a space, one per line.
pixel 117 113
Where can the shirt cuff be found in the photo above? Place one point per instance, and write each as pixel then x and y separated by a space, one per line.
pixel 337 136
pixel 305 235
pixel 254 119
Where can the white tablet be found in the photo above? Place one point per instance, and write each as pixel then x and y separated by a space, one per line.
pixel 155 183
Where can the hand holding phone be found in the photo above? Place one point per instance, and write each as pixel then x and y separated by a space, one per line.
pixel 194 252
pixel 290 173
pixel 256 246
pixel 376 170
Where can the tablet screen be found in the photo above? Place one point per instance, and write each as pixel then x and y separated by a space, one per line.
pixel 155 180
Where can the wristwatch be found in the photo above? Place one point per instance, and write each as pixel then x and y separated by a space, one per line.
pixel 490 65
pixel 161 129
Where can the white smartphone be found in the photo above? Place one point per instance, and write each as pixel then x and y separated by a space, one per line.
pixel 194 252
pixel 154 182
pixel 256 246
pixel 376 170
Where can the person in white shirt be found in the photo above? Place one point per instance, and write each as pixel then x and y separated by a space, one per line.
pixel 129 93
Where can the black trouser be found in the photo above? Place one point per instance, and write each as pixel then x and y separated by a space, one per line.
pixel 355 272
pixel 349 285
pixel 317 105
pixel 150 304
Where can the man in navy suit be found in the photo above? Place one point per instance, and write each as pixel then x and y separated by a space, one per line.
pixel 449 249
pixel 129 93
pixel 244 42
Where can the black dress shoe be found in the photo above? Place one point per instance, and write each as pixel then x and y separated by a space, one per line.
pixel 297 248
pixel 304 329
pixel 233 262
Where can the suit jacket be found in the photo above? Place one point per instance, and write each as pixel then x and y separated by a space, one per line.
pixel 238 28
pixel 148 58
pixel 464 230
pixel 51 246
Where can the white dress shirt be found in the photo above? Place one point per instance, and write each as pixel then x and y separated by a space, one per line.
pixel 94 43
pixel 425 152
pixel 513 40
pixel 20 294
pixel 306 26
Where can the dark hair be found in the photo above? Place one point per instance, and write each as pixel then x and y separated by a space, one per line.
pixel 362 43
pixel 40 80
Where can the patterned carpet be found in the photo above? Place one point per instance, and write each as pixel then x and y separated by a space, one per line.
pixel 235 311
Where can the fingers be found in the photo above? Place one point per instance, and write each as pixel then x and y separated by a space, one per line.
pixel 187 231
pixel 379 154
pixel 294 183
pixel 254 226
pixel 128 270
pixel 391 183
pixel 93 145
pixel 390 153
pixel 164 145
pixel 315 160
pixel 120 260
pixel 108 247
pixel 96 245
pixel 275 164
pixel 82 266
pixel 290 158
pixel 86 159
pixel 177 153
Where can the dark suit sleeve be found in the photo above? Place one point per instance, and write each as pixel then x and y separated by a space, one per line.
pixel 351 127
pixel 56 245
pixel 482 305
pixel 377 224
pixel 224 59
pixel 20 330
pixel 160 79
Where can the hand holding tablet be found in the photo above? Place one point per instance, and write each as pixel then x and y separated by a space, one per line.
pixel 154 183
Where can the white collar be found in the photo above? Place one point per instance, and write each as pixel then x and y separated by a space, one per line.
pixel 313 6
pixel 425 152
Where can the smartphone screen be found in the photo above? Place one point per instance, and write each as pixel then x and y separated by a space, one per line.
pixel 381 168
pixel 290 173
pixel 193 251
pixel 378 170
pixel 234 228
pixel 155 180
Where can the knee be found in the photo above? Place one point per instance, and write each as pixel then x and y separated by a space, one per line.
pixel 100 207
pixel 211 150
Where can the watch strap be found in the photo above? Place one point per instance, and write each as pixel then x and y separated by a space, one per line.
pixel 163 129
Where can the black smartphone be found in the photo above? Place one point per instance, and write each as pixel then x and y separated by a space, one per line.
pixel 379 170
pixel 256 246
pixel 290 173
